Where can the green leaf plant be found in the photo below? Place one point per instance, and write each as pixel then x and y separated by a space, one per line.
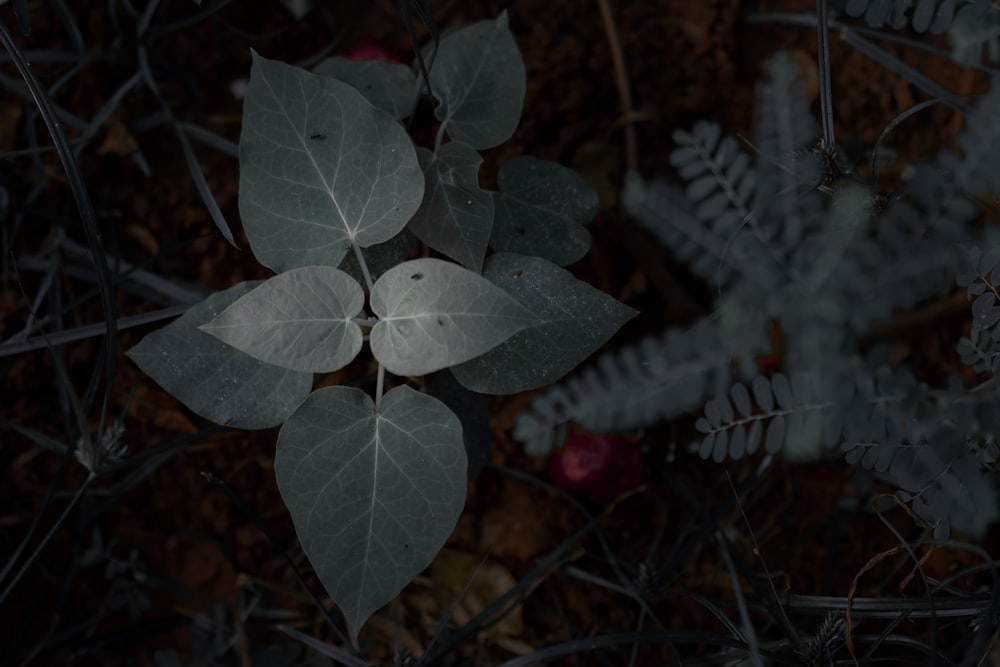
pixel 331 189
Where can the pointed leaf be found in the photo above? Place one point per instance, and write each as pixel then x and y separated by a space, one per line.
pixel 320 167
pixel 390 87
pixel 455 217
pixel 574 319
pixel 373 494
pixel 478 79
pixel 434 314
pixel 541 210
pixel 215 380
pixel 300 319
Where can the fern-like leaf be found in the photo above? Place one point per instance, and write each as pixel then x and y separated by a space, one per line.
pixel 935 16
pixel 881 417
pixel 791 410
pixel 947 485
pixel 980 350
pixel 975 30
pixel 982 286
pixel 788 205
pixel 721 184
pixel 663 209
pixel 658 378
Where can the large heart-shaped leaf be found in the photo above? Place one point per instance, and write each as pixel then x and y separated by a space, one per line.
pixel 541 210
pixel 373 494
pixel 300 319
pixel 574 319
pixel 456 216
pixel 434 314
pixel 216 380
pixel 478 78
pixel 320 168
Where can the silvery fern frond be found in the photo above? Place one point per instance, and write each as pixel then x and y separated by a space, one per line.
pixel 788 205
pixel 658 378
pixel 934 16
pixel 972 25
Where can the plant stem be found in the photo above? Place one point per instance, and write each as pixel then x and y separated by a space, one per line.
pixel 440 136
pixel 88 217
pixel 364 266
pixel 825 89
pixel 379 386
pixel 621 81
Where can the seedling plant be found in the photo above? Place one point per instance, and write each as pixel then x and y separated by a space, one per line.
pixel 332 192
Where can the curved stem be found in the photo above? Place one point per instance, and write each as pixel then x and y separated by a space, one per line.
pixel 440 136
pixel 88 217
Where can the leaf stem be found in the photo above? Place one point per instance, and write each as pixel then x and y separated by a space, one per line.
pixel 379 386
pixel 364 266
pixel 440 136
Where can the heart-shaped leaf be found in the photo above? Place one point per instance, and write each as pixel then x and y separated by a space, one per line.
pixel 434 314
pixel 373 494
pixel 300 319
pixel 320 168
pixel 541 210
pixel 574 319
pixel 216 380
pixel 456 216
pixel 478 78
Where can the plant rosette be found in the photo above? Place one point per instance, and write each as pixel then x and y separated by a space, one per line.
pixel 597 466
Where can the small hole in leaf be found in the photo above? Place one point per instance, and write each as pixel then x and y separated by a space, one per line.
pixel 440 322
pixel 520 231
pixel 518 274
pixel 416 276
